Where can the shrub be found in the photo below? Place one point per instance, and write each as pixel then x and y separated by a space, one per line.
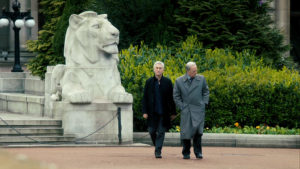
pixel 51 10
pixel 255 96
pixel 242 88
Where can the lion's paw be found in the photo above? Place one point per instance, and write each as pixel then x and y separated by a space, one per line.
pixel 55 97
pixel 80 97
pixel 120 97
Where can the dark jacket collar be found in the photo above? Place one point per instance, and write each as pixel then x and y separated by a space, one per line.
pixel 155 79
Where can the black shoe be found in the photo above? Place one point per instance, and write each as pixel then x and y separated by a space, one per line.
pixel 157 155
pixel 186 157
pixel 199 156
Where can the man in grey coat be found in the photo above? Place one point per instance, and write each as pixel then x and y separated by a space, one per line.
pixel 191 96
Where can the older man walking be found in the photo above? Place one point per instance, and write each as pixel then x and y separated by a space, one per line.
pixel 158 106
pixel 191 96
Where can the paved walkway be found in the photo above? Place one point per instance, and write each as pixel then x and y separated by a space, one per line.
pixel 143 158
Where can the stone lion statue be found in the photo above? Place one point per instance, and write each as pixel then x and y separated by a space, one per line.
pixel 91 53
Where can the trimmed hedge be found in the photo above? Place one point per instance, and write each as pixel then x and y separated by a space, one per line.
pixel 242 88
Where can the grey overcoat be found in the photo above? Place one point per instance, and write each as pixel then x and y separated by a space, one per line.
pixel 190 98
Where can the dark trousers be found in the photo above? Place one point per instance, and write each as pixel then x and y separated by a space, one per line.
pixel 196 144
pixel 157 134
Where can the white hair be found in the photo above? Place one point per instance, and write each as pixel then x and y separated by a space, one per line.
pixel 189 65
pixel 158 62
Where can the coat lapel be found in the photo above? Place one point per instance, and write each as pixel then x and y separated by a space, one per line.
pixel 195 83
pixel 186 83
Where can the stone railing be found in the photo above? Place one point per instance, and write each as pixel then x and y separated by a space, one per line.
pixel 21 93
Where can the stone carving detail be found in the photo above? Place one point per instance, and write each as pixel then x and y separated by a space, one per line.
pixel 91 54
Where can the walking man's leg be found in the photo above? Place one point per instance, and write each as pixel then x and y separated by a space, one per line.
pixel 197 140
pixel 152 132
pixel 186 148
pixel 159 137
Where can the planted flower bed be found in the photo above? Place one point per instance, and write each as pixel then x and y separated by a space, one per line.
pixel 237 129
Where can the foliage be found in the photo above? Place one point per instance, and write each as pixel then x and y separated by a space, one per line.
pixel 174 129
pixel 51 11
pixel 137 20
pixel 261 129
pixel 50 43
pixel 72 7
pixel 242 88
pixel 244 24
pixel 217 23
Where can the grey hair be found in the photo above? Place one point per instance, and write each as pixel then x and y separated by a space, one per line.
pixel 189 65
pixel 159 62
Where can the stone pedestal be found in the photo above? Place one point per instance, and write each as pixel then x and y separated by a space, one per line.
pixel 96 122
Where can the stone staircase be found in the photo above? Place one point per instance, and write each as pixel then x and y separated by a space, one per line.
pixel 22 118
pixel 33 132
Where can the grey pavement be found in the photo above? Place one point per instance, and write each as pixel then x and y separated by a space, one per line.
pixel 173 139
pixel 143 158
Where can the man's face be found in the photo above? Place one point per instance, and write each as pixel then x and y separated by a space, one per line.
pixel 192 72
pixel 158 70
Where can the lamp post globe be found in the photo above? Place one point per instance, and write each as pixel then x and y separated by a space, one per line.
pixel 30 23
pixel 19 23
pixel 17 19
pixel 4 22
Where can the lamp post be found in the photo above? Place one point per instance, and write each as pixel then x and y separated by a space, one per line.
pixel 17 18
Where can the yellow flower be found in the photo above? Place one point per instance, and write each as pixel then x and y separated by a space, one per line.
pixel 236 124
pixel 258 127
pixel 268 127
pixel 177 128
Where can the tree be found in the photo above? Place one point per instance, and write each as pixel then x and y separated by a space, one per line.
pixel 146 20
pixel 50 43
pixel 239 24
pixel 72 7
pixel 51 10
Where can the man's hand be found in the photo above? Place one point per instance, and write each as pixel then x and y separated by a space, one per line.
pixel 207 106
pixel 145 116
pixel 173 117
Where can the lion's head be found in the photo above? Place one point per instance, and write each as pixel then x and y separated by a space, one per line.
pixel 89 37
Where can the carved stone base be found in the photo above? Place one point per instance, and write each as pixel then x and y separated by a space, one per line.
pixel 98 119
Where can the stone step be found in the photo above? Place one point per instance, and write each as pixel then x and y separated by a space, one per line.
pixel 35 139
pixel 30 123
pixel 34 130
pixel 31 131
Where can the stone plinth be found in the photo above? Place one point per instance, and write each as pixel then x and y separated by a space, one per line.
pixel 99 118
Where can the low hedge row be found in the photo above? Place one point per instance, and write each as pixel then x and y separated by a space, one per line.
pixel 242 88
